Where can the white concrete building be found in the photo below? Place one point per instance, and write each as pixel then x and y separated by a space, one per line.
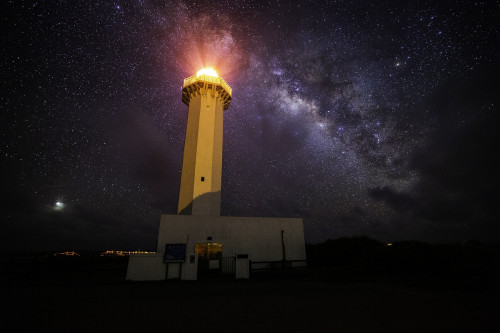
pixel 217 243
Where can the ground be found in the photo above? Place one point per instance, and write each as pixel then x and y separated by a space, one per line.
pixel 301 301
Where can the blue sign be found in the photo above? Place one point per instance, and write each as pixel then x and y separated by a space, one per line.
pixel 175 253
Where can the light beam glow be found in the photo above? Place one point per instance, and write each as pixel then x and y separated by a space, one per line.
pixel 207 71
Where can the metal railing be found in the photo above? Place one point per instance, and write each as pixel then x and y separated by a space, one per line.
pixel 207 78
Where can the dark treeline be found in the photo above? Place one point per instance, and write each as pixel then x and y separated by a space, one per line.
pixel 470 265
pixel 366 258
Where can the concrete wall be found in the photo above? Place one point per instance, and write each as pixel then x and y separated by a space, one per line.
pixel 202 159
pixel 146 267
pixel 259 237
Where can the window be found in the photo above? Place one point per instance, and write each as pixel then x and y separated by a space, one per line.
pixel 208 250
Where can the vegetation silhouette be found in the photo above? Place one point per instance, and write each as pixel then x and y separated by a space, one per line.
pixel 470 264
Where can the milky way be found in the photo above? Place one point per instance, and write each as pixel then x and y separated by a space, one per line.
pixel 364 118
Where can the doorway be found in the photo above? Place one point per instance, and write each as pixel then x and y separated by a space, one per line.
pixel 209 259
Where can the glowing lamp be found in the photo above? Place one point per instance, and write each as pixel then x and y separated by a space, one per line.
pixel 207 71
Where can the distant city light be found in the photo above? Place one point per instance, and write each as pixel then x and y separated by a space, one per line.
pixel 59 205
pixel 67 253
pixel 114 253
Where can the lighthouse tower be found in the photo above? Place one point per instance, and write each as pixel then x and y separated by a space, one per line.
pixel 207 95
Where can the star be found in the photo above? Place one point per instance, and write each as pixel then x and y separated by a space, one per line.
pixel 356 120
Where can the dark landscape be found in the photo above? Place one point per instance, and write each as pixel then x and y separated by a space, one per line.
pixel 367 129
pixel 351 285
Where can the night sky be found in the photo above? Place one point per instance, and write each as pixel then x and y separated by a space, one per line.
pixel 374 118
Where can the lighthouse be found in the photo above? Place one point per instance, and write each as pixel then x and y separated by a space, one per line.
pixel 198 242
pixel 207 95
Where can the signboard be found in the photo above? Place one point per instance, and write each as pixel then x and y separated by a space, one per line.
pixel 175 253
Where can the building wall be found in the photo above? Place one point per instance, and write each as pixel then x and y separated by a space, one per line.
pixel 202 160
pixel 189 157
pixel 146 267
pixel 259 237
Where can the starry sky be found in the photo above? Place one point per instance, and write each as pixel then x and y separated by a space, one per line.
pixel 375 118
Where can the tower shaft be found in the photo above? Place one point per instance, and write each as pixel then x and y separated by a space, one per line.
pixel 200 191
